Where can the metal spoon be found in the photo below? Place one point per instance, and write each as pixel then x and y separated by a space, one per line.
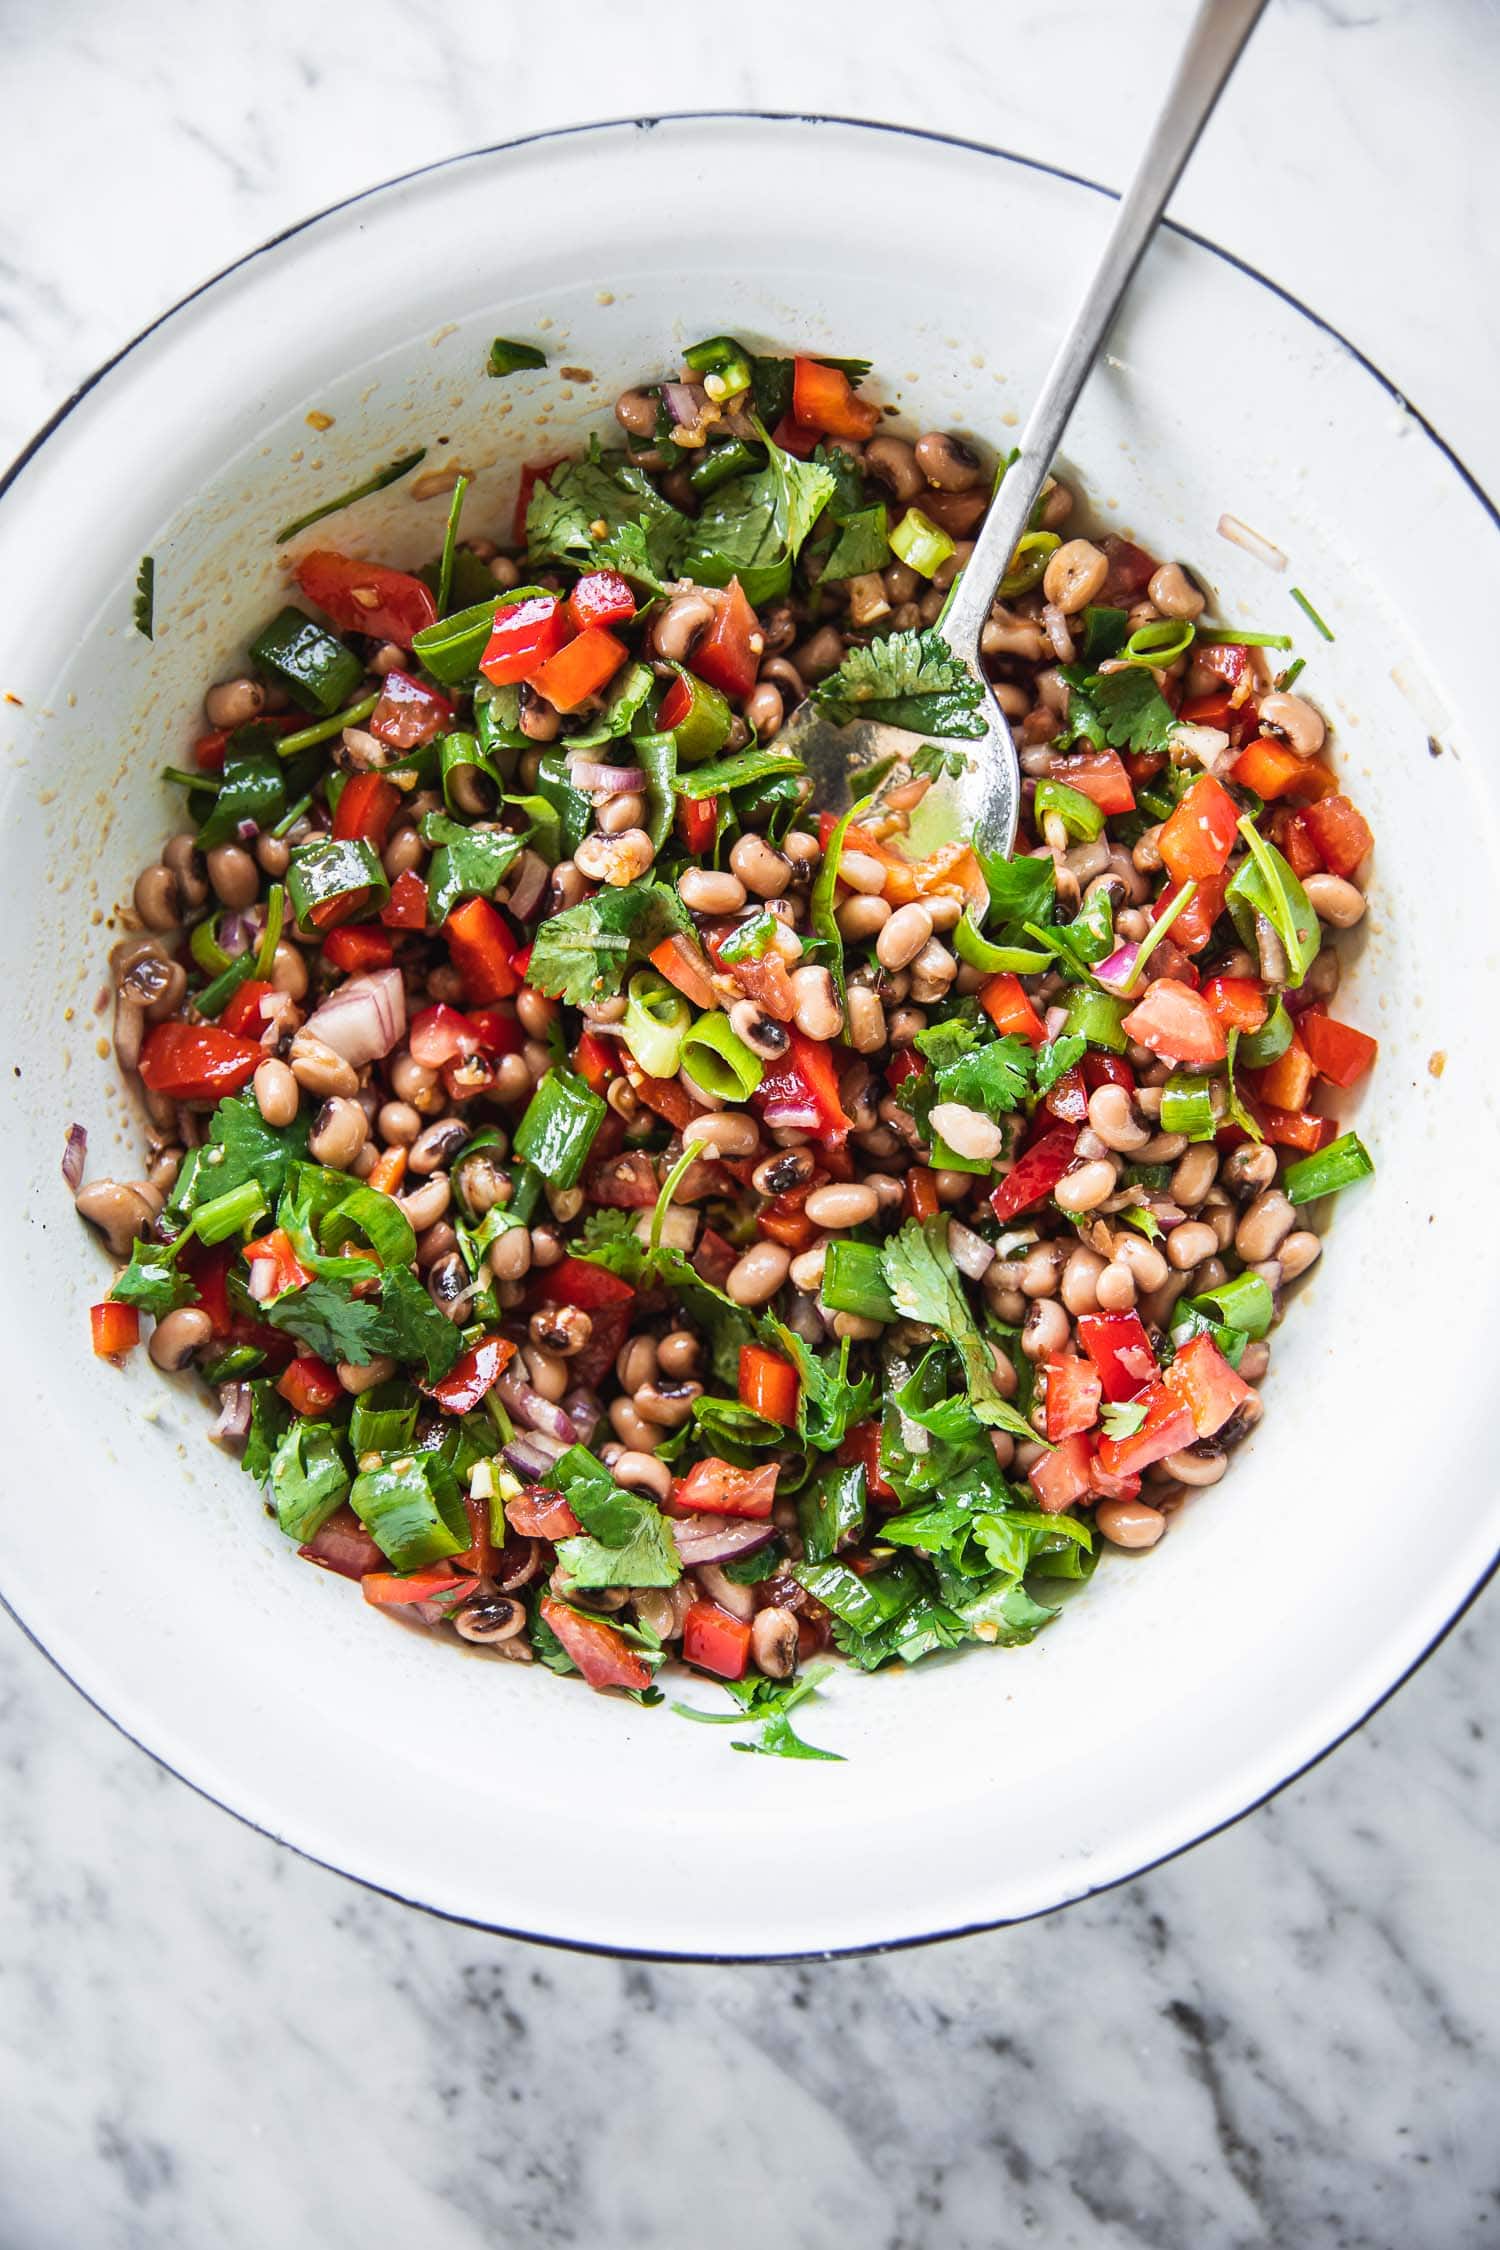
pixel 981 800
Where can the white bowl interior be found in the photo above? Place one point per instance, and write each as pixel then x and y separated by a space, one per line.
pixel 1182 1686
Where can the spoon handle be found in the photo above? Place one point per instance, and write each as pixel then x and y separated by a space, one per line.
pixel 1213 48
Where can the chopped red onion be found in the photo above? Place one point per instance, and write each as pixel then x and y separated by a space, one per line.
pixel 236 934
pixel 343 1547
pixel 583 1411
pixel 972 1255
pixel 1118 972
pixel 608 781
pixel 75 1151
pixel 364 1018
pixel 247 831
pixel 262 1282
pixel 712 1539
pixel 684 402
pixel 1053 1022
pixel 534 1412
pixel 529 885
pixel 738 1600
pixel 232 1426
pixel 533 1455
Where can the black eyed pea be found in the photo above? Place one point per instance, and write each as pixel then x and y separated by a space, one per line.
pixel 1172 592
pixel 511 1254
pixel 427 1204
pixel 234 876
pixel 1334 901
pixel 1254 1361
pixel 488 1619
pixel 723 1132
pixel 843 1203
pixel 1080 1280
pixel 635 1433
pixel 1247 1170
pixel 946 912
pixel 119 1212
pixel 405 852
pixel 1115 1289
pixel 437 1145
pixel 482 1184
pixel 757 1276
pixel 677 1353
pixel 1196 1171
pixel 968 1132
pixel 806 1269
pixel 449 1287
pixel 1298 722
pixel 862 916
pixel 764 709
pixel 616 860
pixel 867 1026
pixel 861 873
pixel 947 462
pixel 932 971
pixel 398 1123
pixel 903 936
pixel 894 464
pixel 565 1203
pixel 762 1034
pixel 856 1327
pixel 636 1362
pixel 1039 1272
pixel 547 1246
pixel 339 1132
pixel 1223 1219
pixel 513 1082
pixel 679 624
pixel 760 868
pixel 181 854
pixel 1141 1260
pixel 319 1070
pixel 1129 1523
pixel 563 1329
pixel 156 899
pixel 1046 1329
pixel 434 1243
pixel 789 1168
pixel 1074 576
pixel 1265 1226
pixel 773 1642
pixel 667 1404
pixel 547 1372
pixel 818 1013
pixel 642 1472
pixel 617 814
pixel 276 1092
pixel 234 703
pixel 177 1336
pixel 1112 1116
pixel 636 412
pixel 1162 1148
pixel 1195 1468
pixel 1189 1244
pixel 1087 1186
pixel 356 1378
pixel 289 971
pixel 366 1161
pixel 821 653
pixel 1299 1251
pixel 707 891
pixel 887 1190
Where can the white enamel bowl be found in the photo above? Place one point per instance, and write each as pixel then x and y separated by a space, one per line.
pixel 1184 1686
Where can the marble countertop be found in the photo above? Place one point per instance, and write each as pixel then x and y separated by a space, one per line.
pixel 1287 2038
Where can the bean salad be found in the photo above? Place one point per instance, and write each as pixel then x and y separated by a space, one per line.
pixel 624 1216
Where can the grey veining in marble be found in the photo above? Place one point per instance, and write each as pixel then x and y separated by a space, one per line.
pixel 1285 2041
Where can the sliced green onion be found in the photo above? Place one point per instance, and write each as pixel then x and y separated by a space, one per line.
pixel 331 869
pixel 854 1281
pixel 209 782
pixel 1187 1105
pixel 305 738
pixel 413 1510
pixel 656 1021
pixel 240 1359
pixel 1028 565
pixel 450 650
pixel 1160 643
pixel 1104 631
pixel 390 474
pixel 724 364
pixel 1309 613
pixel 1097 1017
pixel 753 940
pixel 669 1187
pixel 921 544
pixel 1081 817
pixel 227 1214
pixel 971 945
pixel 1338 1166
pixel 204 946
pixel 1188 1320
pixel 721 464
pixel 1293 672
pixel 450 542
pixel 265 952
pixel 507 357
pixel 1257 1048
pixel 1244 1302
pixel 1224 636
pixel 717 1059
pixel 527 1195
pixel 384 1420
pixel 1158 931
pixel 312 664
pixel 558 1129
pixel 703 730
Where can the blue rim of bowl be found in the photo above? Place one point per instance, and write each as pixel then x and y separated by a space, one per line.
pixel 1434 437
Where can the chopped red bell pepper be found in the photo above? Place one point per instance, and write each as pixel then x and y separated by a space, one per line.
pixel 1168 1427
pixel 1036 1173
pixel 581 669
pixel 367 805
pixel 595 1061
pixel 601 597
pixel 542 1514
pixel 719 1488
pixel 242 1013
pixel 406 908
pixel 860 1449
pixel 1074 1392
pixel 1287 1082
pixel 1067 1099
pixel 1201 1379
pixel 793 438
pixel 1177 1024
pixel 1267 767
pixel 697 823
pixel 277 1251
pixel 1193 926
pixel 1195 843
pixel 364 597
pixel 1299 1129
pixel 803 1089
pixel 768 1384
pixel 114 1329
pixel 1131 570
pixel 723 654
pixel 1239 1002
pixel 1119 1347
pixel 1061 1477
pixel 1341 833
pixel 475 1373
pixel 1009 1009
pixel 409 712
pixel 823 399
pixel 525 634
pixel 602 1654
pixel 1293 839
pixel 309 1385
pixel 354 949
pixel 681 963
pixel 483 951
pixel 500 1030
pixel 579 1282
pixel 208 750
pixel 388 1589
pixel 905 1063
pixel 784 1219
pixel 1099 776
pixel 197 1062
pixel 919 1195
pixel 1107 1070
pixel 1338 1052
pixel 715 1641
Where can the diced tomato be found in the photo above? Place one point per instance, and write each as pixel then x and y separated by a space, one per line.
pixel 1107 1070
pixel 601 597
pixel 309 1385
pixel 406 908
pixel 1009 1009
pixel 765 981
pixel 1195 843
pixel 951 871
pixel 542 1514
pixel 500 1031
pixel 723 655
pixel 581 669
pixel 681 963
pixel 409 712
pixel 1035 1174
pixel 355 949
pixel 1228 661
pixel 1341 833
pixel 1298 1129
pixel 1208 710
pixel 1287 1082
pixel 823 399
pixel 367 805
pixel 276 1250
pixel 1106 1486
pixel 603 1655
pixel 1267 767
pixel 1119 1347
pixel 1061 1477
pixel 793 438
pixel 1074 1392
pixel 242 1013
pixel 784 1219
pixel 905 1063
pixel 1339 1053
pixel 713 1259
pixel 803 1089
pixel 1168 1427
pixel 1293 839
pixel 718 1488
pixel 114 1329
pixel 1317 781
pixel 1131 570
pixel 576 1281
pixel 207 1267
pixel 768 1384
pixel 197 1062
pixel 364 597
pixel 1099 776
pixel 1177 1024
pixel 441 1034
pixel 919 1195
pixel 483 951
pixel 715 1641
pixel 669 1100
pixel 1239 1002
pixel 595 1061
pixel 344 1546
pixel 1194 925
pixel 476 1372
pixel 388 1171
pixel 387 1589
pixel 533 473
pixel 1067 1099
pixel 208 750
pixel 525 634
pixel 860 1449
pixel 1201 1379
pixel 697 823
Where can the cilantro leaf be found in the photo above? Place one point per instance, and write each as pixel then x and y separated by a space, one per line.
pixel 308 1476
pixel 924 1284
pixel 770 1703
pixel 643 533
pixel 143 608
pixel 411 1326
pixel 608 1238
pixel 269 1417
pixel 328 1320
pixel 242 1146
pixel 467 862
pixel 621 711
pixel 582 955
pixel 909 679
pixel 624 1541
pixel 802 490
pixel 151 1281
pixel 1117 710
pixel 993 1077
pixel 1057 1058
pixel 828 1404
pixel 1265 889
pixel 1022 889
pixel 862 545
pixel 1122 1418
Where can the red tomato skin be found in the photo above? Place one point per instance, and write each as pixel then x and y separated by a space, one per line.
pixel 1074 1393
pixel 395 606
pixel 861 1449
pixel 354 949
pixel 603 1656
pixel 194 1062
pixel 1287 1082
pixel 1119 1347
pixel 1177 1024
pixel 1010 1010
pixel 474 1373
pixel 697 823
pixel 719 1488
pixel 716 1642
pixel 823 399
pixel 1338 1052
pixel 723 655
pixel 542 1515
pixel 1061 1477
pixel 1201 1379
pixel 242 1013
pixel 1196 841
pixel 1168 1427
pixel 1100 776
pixel 768 1384
pixel 1341 834
pixel 1036 1173
pixel 580 669
pixel 309 1385
pixel 483 951
pixel 409 712
pixel 1239 1002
